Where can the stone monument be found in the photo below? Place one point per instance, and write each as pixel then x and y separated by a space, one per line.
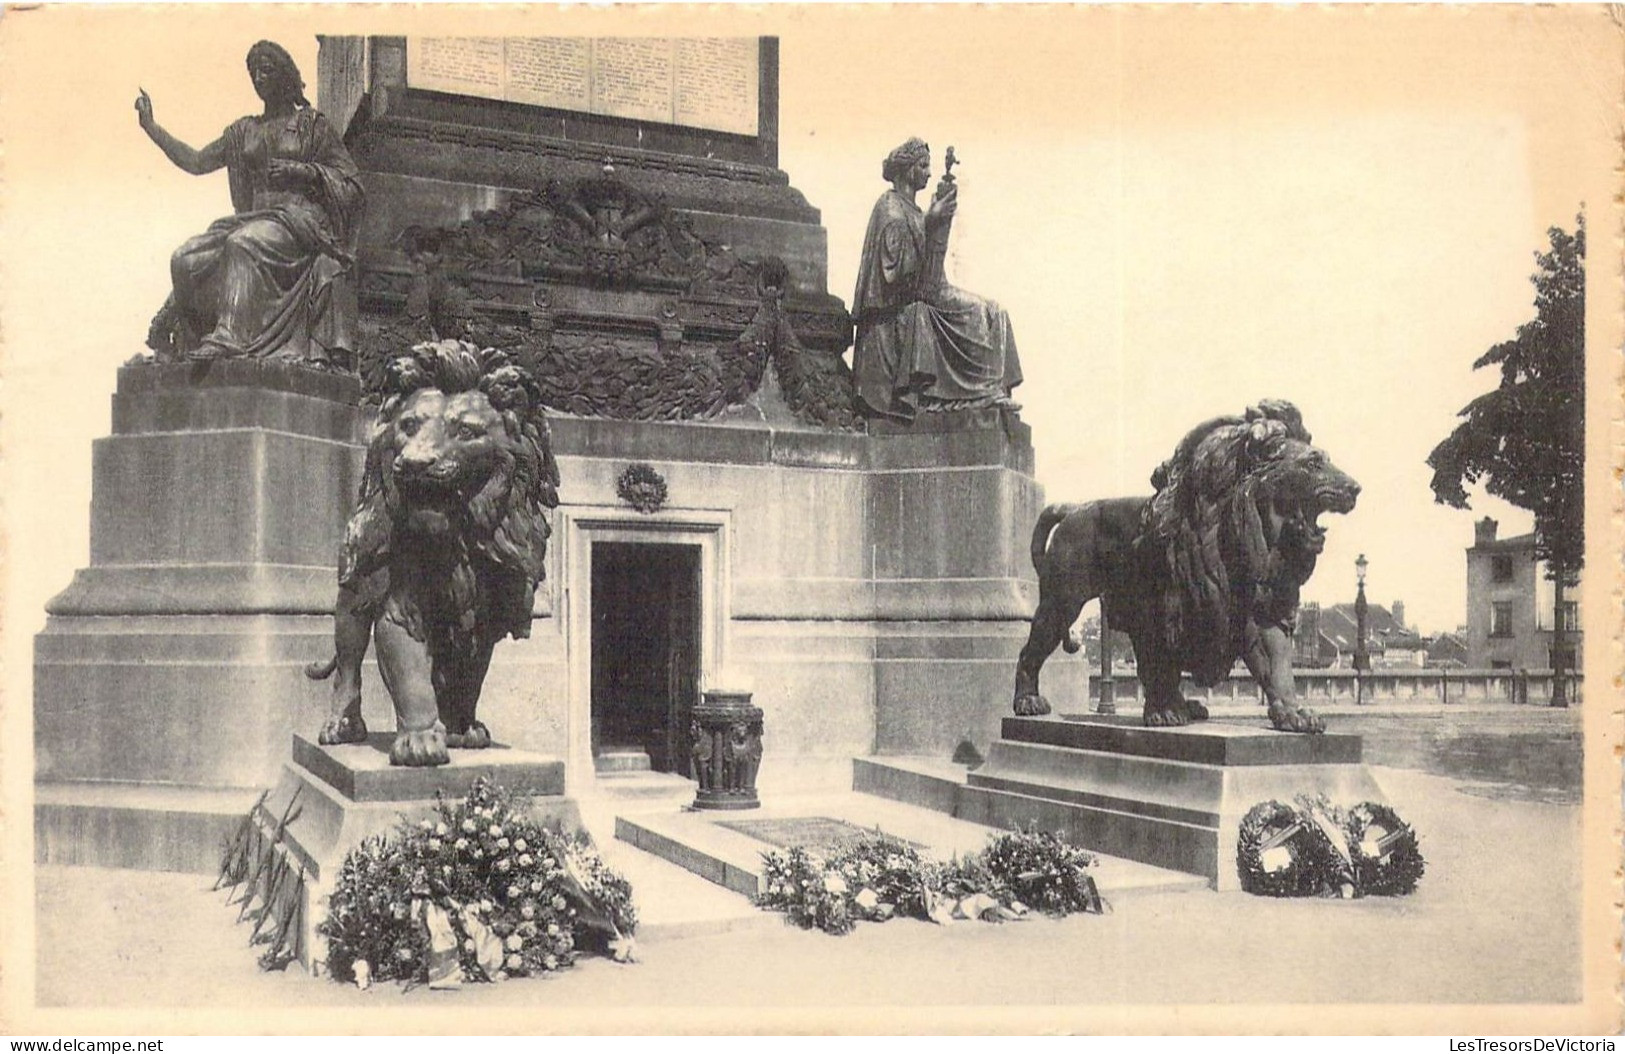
pixel 162 700
pixel 608 216
pixel 165 680
pixel 610 213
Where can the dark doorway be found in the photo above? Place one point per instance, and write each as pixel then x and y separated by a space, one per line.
pixel 645 649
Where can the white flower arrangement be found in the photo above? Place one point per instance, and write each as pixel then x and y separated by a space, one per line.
pixel 502 915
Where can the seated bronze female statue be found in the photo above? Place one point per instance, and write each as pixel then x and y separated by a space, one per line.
pixel 922 342
pixel 272 281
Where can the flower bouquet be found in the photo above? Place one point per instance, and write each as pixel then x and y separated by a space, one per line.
pixel 478 891
pixel 877 877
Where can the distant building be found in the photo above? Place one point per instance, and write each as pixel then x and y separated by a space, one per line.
pixel 1326 637
pixel 1307 649
pixel 1448 649
pixel 1511 604
pixel 1403 648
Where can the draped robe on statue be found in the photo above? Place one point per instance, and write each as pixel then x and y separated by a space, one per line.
pixel 919 344
pixel 274 280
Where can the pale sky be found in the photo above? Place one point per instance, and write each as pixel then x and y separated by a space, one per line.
pixel 1184 212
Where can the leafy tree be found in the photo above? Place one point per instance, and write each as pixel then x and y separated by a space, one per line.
pixel 1526 439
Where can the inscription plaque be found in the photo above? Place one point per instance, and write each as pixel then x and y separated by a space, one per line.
pixel 697 82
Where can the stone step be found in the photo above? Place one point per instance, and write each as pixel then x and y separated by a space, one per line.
pixel 694 842
pixel 929 783
pixel 1206 742
pixel 147 827
pixel 634 784
pixel 699 842
pixel 621 759
pixel 1160 841
pixel 1175 790
pixel 173 827
pixel 1172 814
pixel 672 901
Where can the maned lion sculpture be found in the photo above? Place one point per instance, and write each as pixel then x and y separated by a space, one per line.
pixel 1203 572
pixel 443 553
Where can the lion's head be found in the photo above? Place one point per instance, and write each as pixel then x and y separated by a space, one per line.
pixel 1235 528
pixel 461 445
pixel 1291 484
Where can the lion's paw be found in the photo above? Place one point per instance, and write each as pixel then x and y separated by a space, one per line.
pixel 418 749
pixel 1195 711
pixel 345 728
pixel 1032 705
pixel 1155 716
pixel 1296 719
pixel 478 737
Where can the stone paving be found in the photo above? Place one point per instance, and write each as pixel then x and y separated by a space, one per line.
pixel 1496 920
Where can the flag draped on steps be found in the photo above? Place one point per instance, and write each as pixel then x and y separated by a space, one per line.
pixel 267 882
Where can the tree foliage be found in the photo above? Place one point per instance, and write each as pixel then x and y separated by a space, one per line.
pixel 1525 440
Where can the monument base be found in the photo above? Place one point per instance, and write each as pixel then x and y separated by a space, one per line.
pixel 332 798
pixel 168 676
pixel 1170 797
pixel 144 826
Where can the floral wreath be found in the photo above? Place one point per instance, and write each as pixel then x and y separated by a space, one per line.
pixel 1387 861
pixel 876 877
pixel 1313 848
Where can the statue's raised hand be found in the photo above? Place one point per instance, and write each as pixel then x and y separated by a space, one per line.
pixel 143 107
pixel 945 204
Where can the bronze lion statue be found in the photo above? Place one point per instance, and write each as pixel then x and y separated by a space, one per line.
pixel 1203 572
pixel 444 551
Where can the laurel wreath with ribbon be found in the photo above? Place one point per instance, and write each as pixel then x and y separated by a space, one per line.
pixel 1312 848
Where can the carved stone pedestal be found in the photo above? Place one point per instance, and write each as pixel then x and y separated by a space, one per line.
pixel 727 735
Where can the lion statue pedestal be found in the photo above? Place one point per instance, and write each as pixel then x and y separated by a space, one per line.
pixel 1201 574
pixel 1171 797
pixel 331 798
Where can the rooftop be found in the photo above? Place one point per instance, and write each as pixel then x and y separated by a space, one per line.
pixel 1339 626
pixel 1505 545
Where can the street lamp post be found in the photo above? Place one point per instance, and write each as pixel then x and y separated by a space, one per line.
pixel 1362 655
pixel 1108 687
